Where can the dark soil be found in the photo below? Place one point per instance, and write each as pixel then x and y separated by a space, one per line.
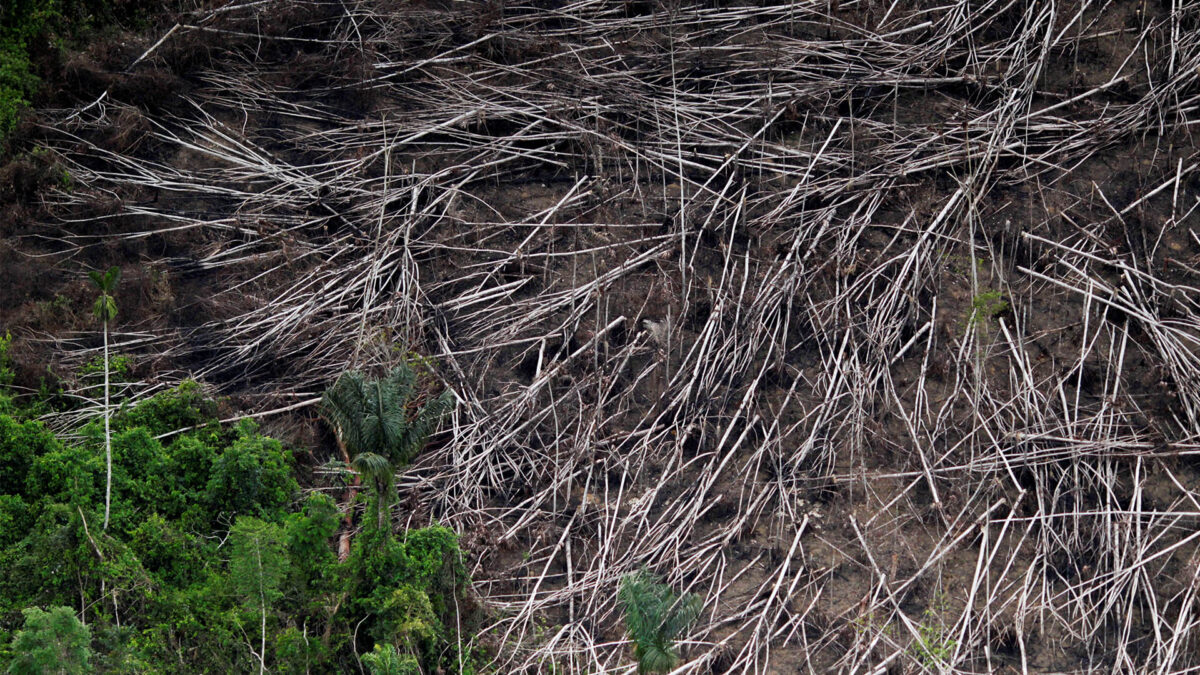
pixel 964 359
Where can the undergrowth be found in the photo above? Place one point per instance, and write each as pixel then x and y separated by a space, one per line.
pixel 215 561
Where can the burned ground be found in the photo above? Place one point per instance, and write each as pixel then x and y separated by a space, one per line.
pixel 872 323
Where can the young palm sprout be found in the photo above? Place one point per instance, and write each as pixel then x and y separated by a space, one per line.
pixel 656 617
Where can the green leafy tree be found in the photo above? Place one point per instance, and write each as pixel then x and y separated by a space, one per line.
pixel 51 642
pixel 138 477
pixel 15 520
pixel 257 567
pixel 387 660
pixel 183 407
pixel 655 617
pixel 406 615
pixel 105 310
pixel 251 477
pixel 174 558
pixel 410 589
pixel 378 424
pixel 308 534
pixel 21 444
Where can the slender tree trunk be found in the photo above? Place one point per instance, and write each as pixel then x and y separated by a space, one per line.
pixel 348 519
pixel 107 436
pixel 262 599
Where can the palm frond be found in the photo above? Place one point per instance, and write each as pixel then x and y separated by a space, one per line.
pixel 373 467
pixel 423 424
pixel 344 405
pixel 373 416
pixel 655 618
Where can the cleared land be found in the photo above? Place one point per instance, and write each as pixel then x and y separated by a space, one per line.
pixel 876 324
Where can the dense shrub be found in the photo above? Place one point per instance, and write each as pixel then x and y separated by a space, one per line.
pixel 51 642
pixel 21 21
pixel 20 444
pixel 211 563
pixel 251 477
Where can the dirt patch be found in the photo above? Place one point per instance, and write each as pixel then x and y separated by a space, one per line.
pixel 876 327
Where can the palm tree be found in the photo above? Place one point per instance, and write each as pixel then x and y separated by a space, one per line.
pixel 378 423
pixel 380 475
pixel 105 309
pixel 655 617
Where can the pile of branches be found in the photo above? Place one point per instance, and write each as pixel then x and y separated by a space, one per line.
pixel 830 314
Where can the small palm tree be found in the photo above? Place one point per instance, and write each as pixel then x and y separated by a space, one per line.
pixel 379 424
pixel 105 309
pixel 656 617
pixel 380 476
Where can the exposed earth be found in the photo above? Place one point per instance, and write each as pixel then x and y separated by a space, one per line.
pixel 875 324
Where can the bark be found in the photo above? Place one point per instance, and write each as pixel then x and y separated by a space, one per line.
pixel 107 437
pixel 347 508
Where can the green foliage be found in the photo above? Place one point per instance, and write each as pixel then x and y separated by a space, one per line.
pixel 258 565
pixel 51 642
pixel 210 565
pixel 189 463
pixel 381 427
pixel 432 559
pixel 308 534
pixel 119 367
pixel 378 473
pixel 405 615
pixel 655 617
pixel 180 408
pixel 387 660
pixel 15 519
pixel 297 653
pixel 41 568
pixel 105 308
pixel 251 477
pixel 258 562
pixel 174 558
pixel 986 305
pixel 6 371
pixel 139 464
pixel 933 646
pixel 17 81
pixel 409 588
pixel 64 474
pixel 379 416
pixel 21 443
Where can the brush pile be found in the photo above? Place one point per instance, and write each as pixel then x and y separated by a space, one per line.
pixel 874 324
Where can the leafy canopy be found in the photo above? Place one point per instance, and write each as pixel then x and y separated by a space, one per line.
pixel 387 660
pixel 51 642
pixel 105 308
pixel 374 415
pixel 258 562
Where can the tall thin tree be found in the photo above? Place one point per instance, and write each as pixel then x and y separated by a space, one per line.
pixel 105 309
